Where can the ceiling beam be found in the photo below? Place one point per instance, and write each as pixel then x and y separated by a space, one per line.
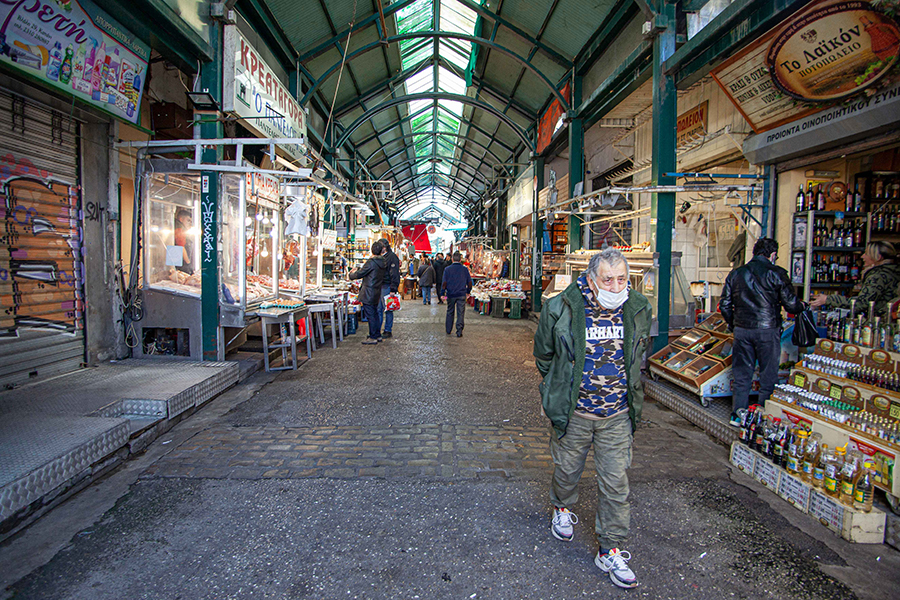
pixel 437 35
pixel 436 96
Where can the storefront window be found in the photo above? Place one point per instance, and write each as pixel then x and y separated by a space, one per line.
pixel 232 272
pixel 172 234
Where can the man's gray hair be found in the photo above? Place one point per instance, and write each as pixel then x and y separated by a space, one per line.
pixel 611 257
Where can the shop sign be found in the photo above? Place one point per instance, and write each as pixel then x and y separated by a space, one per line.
pixel 78 49
pixel 329 239
pixel 692 124
pixel 252 91
pixel 830 51
pixel 833 52
pixel 263 186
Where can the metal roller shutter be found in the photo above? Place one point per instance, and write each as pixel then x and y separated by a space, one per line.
pixel 41 269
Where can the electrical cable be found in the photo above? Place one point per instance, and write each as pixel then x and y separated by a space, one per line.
pixel 341 70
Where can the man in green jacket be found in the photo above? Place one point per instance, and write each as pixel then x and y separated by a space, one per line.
pixel 589 347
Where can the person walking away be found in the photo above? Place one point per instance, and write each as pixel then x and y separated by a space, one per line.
pixel 372 274
pixel 751 303
pixel 504 269
pixel 455 287
pixel 880 277
pixel 589 347
pixel 439 265
pixel 389 285
pixel 426 280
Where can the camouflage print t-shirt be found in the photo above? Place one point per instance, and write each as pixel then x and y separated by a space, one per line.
pixel 603 392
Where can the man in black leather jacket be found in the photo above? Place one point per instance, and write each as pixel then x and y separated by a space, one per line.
pixel 751 303
pixel 389 285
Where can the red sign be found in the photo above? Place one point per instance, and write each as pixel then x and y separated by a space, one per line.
pixel 797 419
pixel 547 124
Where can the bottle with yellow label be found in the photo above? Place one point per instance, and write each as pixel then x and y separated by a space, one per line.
pixel 833 472
pixel 849 472
pixel 818 478
pixel 864 487
pixel 796 452
pixel 810 457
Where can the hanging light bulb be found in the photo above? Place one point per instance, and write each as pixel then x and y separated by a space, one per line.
pixel 259 217
pixel 264 253
pixel 248 221
pixel 266 221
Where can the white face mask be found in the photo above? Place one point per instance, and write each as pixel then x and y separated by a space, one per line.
pixel 610 300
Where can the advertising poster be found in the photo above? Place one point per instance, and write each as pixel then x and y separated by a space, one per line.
pixel 826 54
pixel 76 48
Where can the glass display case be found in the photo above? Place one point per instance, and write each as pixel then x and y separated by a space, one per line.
pixel 171 238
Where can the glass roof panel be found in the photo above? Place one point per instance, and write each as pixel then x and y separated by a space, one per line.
pixel 447 115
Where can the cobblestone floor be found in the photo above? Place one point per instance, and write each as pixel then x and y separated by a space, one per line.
pixel 430 450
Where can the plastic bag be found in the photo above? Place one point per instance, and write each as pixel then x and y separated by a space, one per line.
pixel 805 333
pixel 392 302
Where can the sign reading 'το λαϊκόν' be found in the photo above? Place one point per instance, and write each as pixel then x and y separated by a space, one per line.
pixel 826 53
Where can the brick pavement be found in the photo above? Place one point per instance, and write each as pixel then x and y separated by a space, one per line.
pixel 429 450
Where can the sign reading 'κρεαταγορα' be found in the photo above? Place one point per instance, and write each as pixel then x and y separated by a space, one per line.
pixel 75 47
pixel 253 91
pixel 826 53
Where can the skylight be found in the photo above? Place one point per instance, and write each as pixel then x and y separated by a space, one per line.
pixel 435 153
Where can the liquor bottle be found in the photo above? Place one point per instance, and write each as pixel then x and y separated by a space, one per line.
pixel 849 472
pixel 858 234
pixel 810 457
pixel 833 465
pixel 820 198
pixel 810 197
pixel 848 200
pixel 864 487
pixel 857 200
pixel 818 477
pixel 879 190
pixel 885 334
pixel 850 240
pixel 801 200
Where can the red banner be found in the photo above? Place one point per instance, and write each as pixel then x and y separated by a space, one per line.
pixel 547 124
pixel 419 236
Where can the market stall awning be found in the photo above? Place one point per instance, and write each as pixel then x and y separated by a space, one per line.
pixel 419 236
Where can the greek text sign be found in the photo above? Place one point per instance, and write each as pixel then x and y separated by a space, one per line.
pixel 833 51
pixel 826 53
pixel 253 91
pixel 691 124
pixel 77 48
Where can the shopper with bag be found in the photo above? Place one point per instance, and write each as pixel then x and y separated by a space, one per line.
pixel 426 279
pixel 372 274
pixel 390 285
pixel 752 299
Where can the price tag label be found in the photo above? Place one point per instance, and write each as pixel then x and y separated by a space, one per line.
pixel 800 379
pixel 895 410
pixel 836 392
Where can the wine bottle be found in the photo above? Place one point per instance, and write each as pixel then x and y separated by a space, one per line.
pixel 801 200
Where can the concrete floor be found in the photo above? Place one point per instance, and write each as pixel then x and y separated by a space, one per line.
pixel 272 491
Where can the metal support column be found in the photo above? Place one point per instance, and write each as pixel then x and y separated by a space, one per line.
pixel 662 207
pixel 576 161
pixel 537 236
pixel 210 81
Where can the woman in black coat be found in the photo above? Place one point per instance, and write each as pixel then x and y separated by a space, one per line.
pixel 426 280
pixel 439 265
pixel 372 275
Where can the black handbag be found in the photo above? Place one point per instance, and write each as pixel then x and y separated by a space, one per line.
pixel 805 333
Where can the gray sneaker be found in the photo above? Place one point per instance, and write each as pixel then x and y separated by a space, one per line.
pixel 562 524
pixel 615 562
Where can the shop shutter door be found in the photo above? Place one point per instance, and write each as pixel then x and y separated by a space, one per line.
pixel 41 272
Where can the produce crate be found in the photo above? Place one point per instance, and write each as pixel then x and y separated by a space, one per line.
pixel 498 305
pixel 515 308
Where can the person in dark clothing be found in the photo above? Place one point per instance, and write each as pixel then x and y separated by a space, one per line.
pixel 752 299
pixel 504 269
pixel 456 286
pixel 390 285
pixel 372 274
pixel 439 265
pixel 426 280
pixel 184 219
